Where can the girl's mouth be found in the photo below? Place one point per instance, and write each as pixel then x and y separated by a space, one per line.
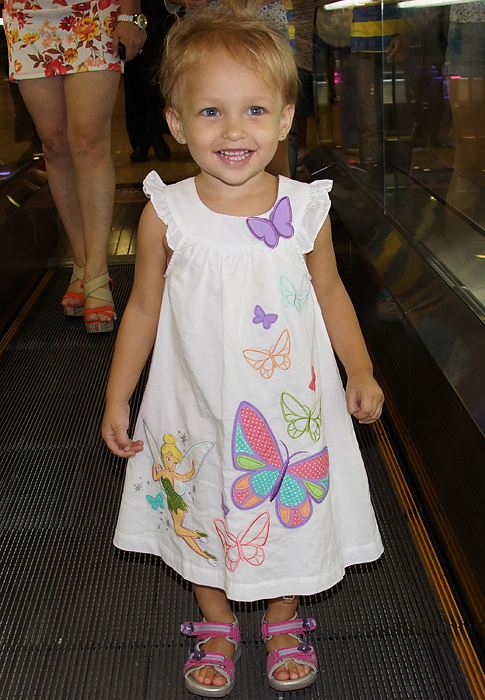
pixel 235 156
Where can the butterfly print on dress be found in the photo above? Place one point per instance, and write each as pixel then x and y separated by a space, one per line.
pixel 265 319
pixel 291 486
pixel 277 226
pixel 248 545
pixel 265 361
pixel 291 296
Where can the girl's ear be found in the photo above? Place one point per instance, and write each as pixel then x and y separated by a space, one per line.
pixel 286 120
pixel 175 125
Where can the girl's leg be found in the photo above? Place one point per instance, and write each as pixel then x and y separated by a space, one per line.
pixel 44 98
pixel 90 99
pixel 279 610
pixel 215 607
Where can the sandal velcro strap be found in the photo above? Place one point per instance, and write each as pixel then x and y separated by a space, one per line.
pixel 204 630
pixel 296 626
pixel 199 658
pixel 306 657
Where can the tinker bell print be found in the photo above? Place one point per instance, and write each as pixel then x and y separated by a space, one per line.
pixel 174 470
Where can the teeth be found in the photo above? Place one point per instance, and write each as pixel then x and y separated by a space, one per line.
pixel 235 155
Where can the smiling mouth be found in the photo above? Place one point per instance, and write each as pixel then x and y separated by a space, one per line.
pixel 235 155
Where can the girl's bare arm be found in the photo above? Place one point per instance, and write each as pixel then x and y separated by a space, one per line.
pixel 364 396
pixel 136 333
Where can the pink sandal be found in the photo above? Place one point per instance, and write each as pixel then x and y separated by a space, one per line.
pixel 199 658
pixel 302 654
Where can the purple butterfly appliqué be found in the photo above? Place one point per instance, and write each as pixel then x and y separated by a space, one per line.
pixel 277 226
pixel 265 319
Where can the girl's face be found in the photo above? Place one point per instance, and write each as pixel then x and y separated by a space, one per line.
pixel 231 120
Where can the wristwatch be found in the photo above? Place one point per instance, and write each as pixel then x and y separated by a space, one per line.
pixel 140 20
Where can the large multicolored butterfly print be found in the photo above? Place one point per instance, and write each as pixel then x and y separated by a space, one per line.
pixel 265 361
pixel 277 226
pixel 292 486
pixel 248 545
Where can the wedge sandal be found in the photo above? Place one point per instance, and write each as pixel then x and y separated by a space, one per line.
pixel 69 309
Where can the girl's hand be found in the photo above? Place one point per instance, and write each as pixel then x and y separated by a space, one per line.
pixel 132 37
pixel 114 430
pixel 364 398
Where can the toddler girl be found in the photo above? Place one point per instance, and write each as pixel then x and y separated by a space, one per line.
pixel 244 471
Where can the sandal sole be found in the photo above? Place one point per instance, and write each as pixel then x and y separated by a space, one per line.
pixel 99 327
pixel 77 311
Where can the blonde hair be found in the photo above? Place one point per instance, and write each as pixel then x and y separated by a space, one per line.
pixel 230 27
pixel 169 446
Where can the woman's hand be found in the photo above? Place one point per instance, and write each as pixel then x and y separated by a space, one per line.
pixel 364 398
pixel 132 37
pixel 114 430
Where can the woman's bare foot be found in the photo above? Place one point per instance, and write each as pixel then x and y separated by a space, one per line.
pixel 92 302
pixel 77 288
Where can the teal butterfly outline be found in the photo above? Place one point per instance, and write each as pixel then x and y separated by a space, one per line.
pixel 292 296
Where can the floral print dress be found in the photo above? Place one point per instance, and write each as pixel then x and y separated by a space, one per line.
pixel 56 37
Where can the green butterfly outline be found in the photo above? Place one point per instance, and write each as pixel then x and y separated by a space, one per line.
pixel 300 418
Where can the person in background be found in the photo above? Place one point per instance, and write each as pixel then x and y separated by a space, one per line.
pixel 382 35
pixel 65 58
pixel 333 41
pixel 145 122
pixel 465 73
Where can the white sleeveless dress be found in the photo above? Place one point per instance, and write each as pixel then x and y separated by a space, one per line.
pixel 251 479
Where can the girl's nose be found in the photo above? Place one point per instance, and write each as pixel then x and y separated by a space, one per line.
pixel 234 129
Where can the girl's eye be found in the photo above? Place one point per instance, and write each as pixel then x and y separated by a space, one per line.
pixel 210 112
pixel 255 111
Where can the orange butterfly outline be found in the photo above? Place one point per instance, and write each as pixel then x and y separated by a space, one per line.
pixel 265 361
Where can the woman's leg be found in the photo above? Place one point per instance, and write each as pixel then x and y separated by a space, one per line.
pixel 215 607
pixel 279 610
pixel 90 98
pixel 44 98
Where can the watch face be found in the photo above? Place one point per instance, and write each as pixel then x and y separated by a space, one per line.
pixel 142 21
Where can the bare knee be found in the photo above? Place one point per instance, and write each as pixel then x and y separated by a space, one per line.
pixel 55 146
pixel 90 143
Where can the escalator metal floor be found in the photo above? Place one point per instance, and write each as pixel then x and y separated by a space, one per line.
pixel 80 620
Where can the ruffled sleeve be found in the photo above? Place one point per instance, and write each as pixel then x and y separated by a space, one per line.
pixel 156 190
pixel 317 208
